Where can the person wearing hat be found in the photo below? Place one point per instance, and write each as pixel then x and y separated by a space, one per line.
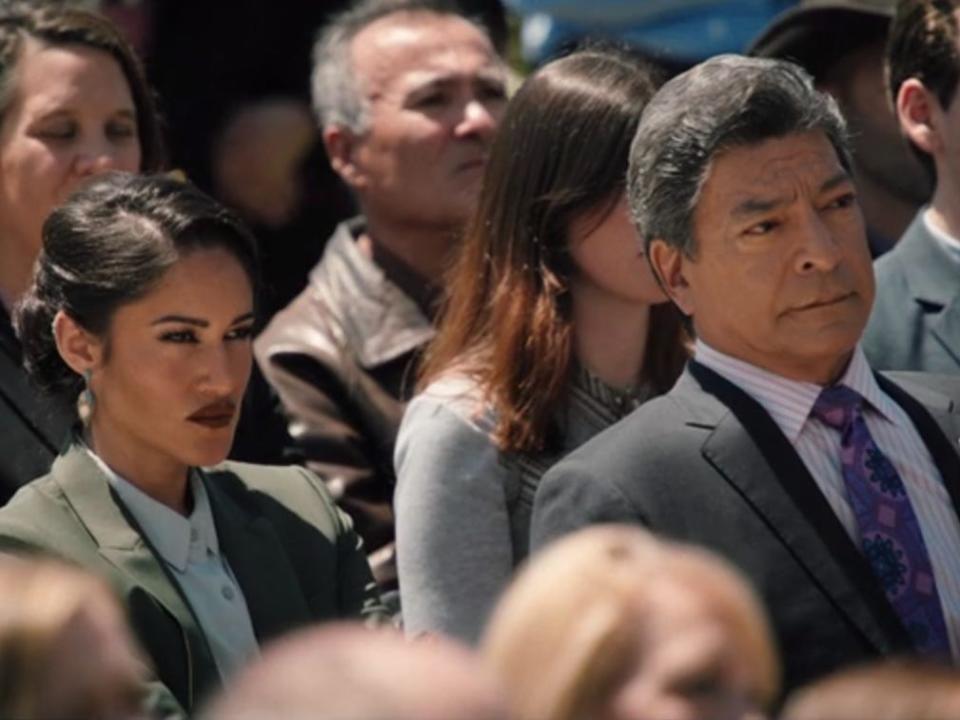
pixel 841 43
pixel 915 323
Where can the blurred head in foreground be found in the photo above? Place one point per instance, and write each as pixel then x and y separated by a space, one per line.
pixel 65 650
pixel 613 623
pixel 887 691
pixel 346 670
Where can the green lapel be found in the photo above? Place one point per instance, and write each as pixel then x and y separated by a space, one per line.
pixel 121 542
pixel 257 557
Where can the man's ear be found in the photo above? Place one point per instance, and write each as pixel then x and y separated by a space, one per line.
pixel 80 349
pixel 920 116
pixel 341 145
pixel 669 264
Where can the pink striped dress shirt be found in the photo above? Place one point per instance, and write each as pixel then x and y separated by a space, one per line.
pixel 789 403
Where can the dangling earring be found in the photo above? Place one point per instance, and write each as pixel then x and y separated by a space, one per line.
pixel 86 400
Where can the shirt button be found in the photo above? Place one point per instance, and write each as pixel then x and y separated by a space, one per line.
pixel 194 534
pixel 227 592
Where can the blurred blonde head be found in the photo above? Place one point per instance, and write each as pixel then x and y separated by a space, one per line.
pixel 613 623
pixel 883 691
pixel 346 670
pixel 65 649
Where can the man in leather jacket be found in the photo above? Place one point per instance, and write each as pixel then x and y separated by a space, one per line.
pixel 408 96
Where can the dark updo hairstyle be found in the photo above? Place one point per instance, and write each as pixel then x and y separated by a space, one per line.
pixel 58 25
pixel 109 245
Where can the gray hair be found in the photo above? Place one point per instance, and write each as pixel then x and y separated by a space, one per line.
pixel 728 101
pixel 337 93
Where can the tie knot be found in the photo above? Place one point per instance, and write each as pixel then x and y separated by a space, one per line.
pixel 835 406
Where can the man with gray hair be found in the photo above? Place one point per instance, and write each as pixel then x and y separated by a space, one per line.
pixel 834 489
pixel 408 94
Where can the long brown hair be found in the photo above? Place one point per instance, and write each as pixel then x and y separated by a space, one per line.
pixel 560 153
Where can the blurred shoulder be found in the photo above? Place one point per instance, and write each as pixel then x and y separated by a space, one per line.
pixel 455 399
pixel 938 390
pixel 39 517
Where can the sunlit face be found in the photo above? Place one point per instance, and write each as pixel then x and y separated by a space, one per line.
pixel 780 275
pixel 695 663
pixel 175 365
pixel 609 258
pixel 435 93
pixel 71 117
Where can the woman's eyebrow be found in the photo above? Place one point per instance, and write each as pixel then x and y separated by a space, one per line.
pixel 198 322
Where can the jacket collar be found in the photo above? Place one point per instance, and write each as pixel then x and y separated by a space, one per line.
pixel 257 556
pixel 930 271
pixel 121 542
pixel 377 320
pixel 246 538
pixel 748 449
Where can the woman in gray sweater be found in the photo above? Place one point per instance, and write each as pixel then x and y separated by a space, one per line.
pixel 549 335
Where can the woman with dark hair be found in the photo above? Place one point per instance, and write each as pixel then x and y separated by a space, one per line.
pixel 549 335
pixel 73 103
pixel 142 308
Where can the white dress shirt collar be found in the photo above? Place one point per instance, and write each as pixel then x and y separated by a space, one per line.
pixel 789 402
pixel 173 535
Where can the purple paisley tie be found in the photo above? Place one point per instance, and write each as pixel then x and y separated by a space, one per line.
pixel 890 535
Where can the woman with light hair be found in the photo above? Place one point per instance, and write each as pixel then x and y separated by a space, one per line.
pixel 907 689
pixel 65 648
pixel 612 623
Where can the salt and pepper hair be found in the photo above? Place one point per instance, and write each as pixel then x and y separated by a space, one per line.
pixel 726 102
pixel 338 95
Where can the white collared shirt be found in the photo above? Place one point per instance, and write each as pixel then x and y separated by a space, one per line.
pixel 191 551
pixel 789 403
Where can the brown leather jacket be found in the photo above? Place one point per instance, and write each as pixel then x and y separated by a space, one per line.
pixel 341 357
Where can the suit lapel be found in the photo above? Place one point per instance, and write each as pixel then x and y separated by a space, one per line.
pixel 931 278
pixel 257 558
pixel 121 542
pixel 754 456
pixel 946 328
pixel 940 430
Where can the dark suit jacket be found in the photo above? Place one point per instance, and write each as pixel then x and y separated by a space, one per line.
pixel 32 427
pixel 706 464
pixel 915 322
pixel 295 556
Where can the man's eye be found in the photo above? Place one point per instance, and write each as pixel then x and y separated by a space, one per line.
pixel 843 201
pixel 431 100
pixel 179 336
pixel 762 228
pixel 494 92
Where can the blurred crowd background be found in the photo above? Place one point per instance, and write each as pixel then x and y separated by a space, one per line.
pixel 645 629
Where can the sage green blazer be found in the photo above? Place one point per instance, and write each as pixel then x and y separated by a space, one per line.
pixel 293 552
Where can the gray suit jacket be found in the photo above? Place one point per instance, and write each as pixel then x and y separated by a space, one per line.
pixel 915 323
pixel 294 554
pixel 706 464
